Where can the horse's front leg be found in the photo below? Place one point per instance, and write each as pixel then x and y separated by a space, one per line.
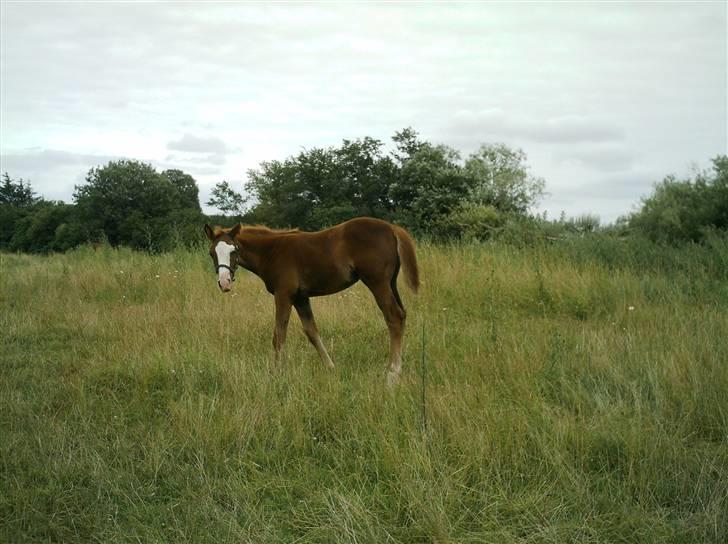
pixel 283 313
pixel 303 307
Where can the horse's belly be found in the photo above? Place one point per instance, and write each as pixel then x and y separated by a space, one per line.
pixel 331 285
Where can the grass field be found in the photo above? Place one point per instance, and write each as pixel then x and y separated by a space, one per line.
pixel 576 392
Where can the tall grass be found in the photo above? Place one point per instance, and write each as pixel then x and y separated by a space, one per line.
pixel 576 392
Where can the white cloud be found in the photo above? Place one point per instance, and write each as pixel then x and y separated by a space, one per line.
pixel 53 173
pixel 599 158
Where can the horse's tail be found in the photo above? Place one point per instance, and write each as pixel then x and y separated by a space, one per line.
pixel 406 250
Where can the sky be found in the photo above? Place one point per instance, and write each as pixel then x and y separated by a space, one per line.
pixel 606 99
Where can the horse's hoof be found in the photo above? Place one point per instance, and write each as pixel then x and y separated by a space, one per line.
pixel 392 378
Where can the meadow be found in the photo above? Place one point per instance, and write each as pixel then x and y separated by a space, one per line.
pixel 567 392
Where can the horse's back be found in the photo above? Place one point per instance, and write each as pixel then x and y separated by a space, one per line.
pixel 363 229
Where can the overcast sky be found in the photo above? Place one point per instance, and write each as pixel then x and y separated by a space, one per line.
pixel 604 98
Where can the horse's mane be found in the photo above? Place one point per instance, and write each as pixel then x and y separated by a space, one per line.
pixel 256 230
pixel 262 229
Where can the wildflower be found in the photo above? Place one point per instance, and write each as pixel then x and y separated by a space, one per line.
pixel 631 308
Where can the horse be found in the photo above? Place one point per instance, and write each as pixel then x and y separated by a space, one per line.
pixel 296 265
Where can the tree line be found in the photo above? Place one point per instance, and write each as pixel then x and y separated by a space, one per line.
pixel 430 189
pixel 427 188
pixel 125 202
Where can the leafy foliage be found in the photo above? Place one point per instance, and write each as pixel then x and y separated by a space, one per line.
pixel 426 187
pixel 320 187
pixel 17 193
pixel 52 226
pixel 501 179
pixel 431 184
pixel 189 193
pixel 125 203
pixel 686 210
pixel 129 203
pixel 225 199
pixel 473 222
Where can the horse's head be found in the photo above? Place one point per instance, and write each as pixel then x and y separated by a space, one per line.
pixel 224 253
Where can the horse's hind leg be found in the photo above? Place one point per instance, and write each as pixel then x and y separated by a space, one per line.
pixel 395 316
pixel 303 307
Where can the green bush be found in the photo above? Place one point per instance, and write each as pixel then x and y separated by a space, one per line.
pixel 686 210
pixel 472 222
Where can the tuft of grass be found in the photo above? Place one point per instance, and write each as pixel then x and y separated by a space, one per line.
pixel 575 392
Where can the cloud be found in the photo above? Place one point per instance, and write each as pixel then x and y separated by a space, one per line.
pixel 494 124
pixel 53 173
pixel 39 159
pixel 199 144
pixel 204 159
pixel 606 195
pixel 198 150
pixel 602 158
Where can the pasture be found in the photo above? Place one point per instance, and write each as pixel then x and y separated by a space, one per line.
pixel 573 392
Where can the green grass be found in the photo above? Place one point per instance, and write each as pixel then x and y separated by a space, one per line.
pixel 573 393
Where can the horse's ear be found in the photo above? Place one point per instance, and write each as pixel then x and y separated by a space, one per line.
pixel 209 232
pixel 234 231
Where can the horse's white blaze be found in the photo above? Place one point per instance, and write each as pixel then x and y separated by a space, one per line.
pixel 223 250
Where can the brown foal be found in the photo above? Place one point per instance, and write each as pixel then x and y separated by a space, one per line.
pixel 298 265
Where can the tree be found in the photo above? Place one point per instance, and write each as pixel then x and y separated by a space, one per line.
pixel 429 186
pixel 17 200
pixel 719 192
pixel 323 186
pixel 17 193
pixel 186 187
pixel 128 202
pixel 407 144
pixel 418 184
pixel 500 178
pixel 366 174
pixel 282 198
pixel 50 226
pixel 227 200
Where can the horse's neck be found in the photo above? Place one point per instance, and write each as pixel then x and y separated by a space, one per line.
pixel 254 250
